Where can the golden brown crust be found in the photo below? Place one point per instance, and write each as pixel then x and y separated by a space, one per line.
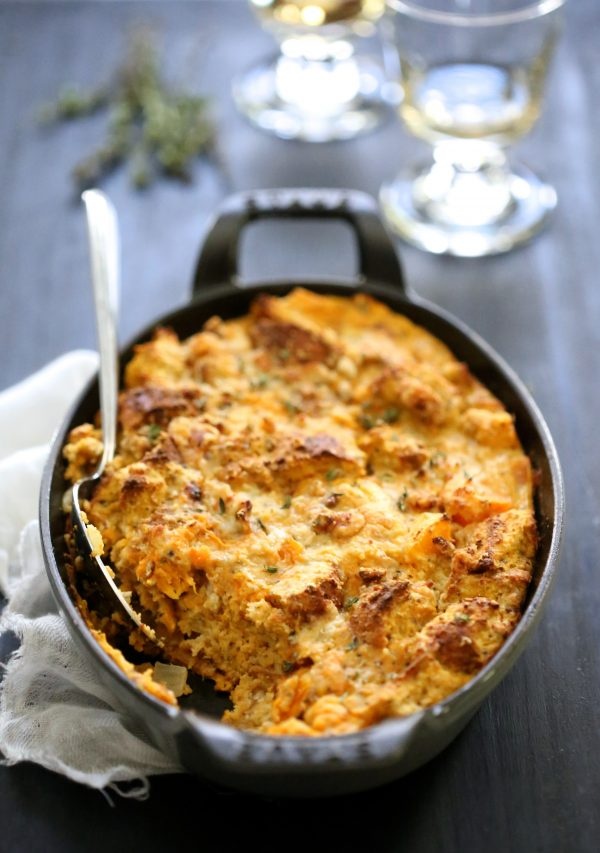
pixel 319 508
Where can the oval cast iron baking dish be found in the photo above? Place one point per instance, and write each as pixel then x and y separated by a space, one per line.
pixel 341 764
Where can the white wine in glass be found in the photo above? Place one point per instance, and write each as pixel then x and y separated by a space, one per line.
pixel 473 100
pixel 357 15
pixel 317 88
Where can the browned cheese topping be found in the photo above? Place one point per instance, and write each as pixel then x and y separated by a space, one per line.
pixel 320 507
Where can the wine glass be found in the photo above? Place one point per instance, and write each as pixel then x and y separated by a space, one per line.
pixel 473 74
pixel 317 88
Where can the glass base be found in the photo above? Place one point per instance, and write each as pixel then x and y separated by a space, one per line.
pixel 462 220
pixel 314 101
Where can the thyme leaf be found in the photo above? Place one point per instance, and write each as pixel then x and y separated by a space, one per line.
pixel 401 502
pixel 153 432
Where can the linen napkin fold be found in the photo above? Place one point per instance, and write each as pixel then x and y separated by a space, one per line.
pixel 53 711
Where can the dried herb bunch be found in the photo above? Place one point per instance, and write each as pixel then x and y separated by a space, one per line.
pixel 156 128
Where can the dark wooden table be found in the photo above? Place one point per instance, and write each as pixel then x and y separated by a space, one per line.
pixel 525 774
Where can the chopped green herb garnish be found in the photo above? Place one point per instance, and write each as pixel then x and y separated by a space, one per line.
pixel 462 617
pixel 287 666
pixel 261 525
pixel 284 354
pixel 350 602
pixel 401 502
pixel 367 421
pixel 352 645
pixel 333 473
pixel 154 431
pixel 272 570
pixel 287 502
pixel 261 381
pixel 291 407
pixel 221 506
pixel 391 415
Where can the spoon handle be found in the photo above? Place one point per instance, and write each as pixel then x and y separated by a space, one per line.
pixel 104 255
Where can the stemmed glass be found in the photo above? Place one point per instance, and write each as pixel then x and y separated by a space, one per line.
pixel 473 74
pixel 317 88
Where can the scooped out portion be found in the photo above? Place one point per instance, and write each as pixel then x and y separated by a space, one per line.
pixel 318 507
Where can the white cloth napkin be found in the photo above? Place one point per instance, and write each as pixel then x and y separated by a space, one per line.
pixel 53 711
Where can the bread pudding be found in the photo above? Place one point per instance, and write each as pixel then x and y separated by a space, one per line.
pixel 318 507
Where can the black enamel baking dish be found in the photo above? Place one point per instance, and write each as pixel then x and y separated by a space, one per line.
pixel 295 766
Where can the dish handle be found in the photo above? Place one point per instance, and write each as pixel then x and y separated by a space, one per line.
pixel 218 261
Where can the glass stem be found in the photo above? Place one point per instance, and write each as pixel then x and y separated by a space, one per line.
pixel 317 75
pixel 468 184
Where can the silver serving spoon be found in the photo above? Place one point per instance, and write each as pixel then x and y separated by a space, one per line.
pixel 104 252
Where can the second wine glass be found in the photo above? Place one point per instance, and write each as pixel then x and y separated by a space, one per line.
pixel 473 74
pixel 316 88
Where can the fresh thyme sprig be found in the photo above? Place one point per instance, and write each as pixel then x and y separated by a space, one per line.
pixel 157 129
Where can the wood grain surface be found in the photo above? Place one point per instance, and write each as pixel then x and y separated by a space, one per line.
pixel 525 774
